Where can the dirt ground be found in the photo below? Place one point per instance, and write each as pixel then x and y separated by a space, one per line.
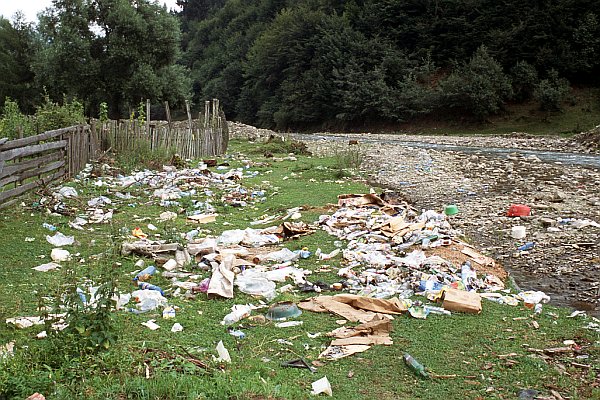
pixel 564 224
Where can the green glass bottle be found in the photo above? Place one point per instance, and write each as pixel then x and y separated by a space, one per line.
pixel 416 366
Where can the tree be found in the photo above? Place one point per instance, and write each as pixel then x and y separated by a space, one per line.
pixel 117 50
pixel 17 46
pixel 479 87
pixel 550 92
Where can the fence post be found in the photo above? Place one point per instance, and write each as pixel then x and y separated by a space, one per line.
pixel 187 142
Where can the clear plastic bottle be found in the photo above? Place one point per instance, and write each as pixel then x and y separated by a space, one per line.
pixel 48 226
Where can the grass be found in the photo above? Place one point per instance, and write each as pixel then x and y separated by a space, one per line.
pixel 468 346
pixel 579 114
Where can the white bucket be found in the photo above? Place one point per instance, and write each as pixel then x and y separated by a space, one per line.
pixel 518 232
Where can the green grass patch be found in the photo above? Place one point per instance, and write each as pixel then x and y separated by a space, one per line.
pixel 470 350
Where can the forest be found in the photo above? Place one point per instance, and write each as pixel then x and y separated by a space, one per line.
pixel 304 64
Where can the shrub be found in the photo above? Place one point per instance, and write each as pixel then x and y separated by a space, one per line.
pixel 550 92
pixel 13 123
pixel 51 115
pixel 479 86
pixel 524 80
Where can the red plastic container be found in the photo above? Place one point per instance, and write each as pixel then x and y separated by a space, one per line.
pixel 518 210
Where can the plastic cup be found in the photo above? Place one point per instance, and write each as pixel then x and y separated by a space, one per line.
pixel 451 209
pixel 518 232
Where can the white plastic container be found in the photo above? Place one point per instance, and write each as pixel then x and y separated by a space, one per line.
pixel 518 232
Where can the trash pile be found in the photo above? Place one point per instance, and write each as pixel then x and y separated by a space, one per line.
pixel 390 252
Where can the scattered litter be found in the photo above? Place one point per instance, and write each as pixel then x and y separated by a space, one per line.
pixel 167 216
pixel 36 396
pixel 47 267
pixel 223 353
pixel 321 386
pixel 299 363
pixel 282 311
pixel 7 350
pixel 168 312
pixel 148 300
pixel 203 218
pixel 59 255
pixel 238 312
pixel 151 324
pixel 415 366
pixel 59 240
pixel 176 327
pixel 288 324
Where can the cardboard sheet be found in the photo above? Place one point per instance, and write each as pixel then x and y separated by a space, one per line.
pixel 461 301
pixel 390 306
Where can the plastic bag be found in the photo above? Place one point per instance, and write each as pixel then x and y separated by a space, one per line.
pixel 255 284
pixel 148 300
pixel 59 240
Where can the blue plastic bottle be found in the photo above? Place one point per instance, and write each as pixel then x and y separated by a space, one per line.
pixel 145 274
pixel 149 286
pixel 526 246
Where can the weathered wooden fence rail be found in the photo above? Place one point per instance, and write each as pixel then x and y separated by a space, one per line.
pixel 34 161
pixel 206 136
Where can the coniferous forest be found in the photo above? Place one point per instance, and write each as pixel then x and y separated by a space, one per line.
pixel 306 63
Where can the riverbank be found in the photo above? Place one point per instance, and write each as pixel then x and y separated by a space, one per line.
pixel 565 260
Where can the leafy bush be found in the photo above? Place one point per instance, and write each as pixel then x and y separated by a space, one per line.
pixel 479 86
pixel 51 115
pixel 141 156
pixel 524 80
pixel 550 92
pixel 13 122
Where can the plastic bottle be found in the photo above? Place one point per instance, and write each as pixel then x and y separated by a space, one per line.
pixel 81 295
pixel 149 286
pixel 437 310
pixel 191 235
pixel 468 275
pixel 237 334
pixel 430 285
pixel 416 366
pixel 49 226
pixel 526 246
pixel 144 274
pixel 237 313
pixel 538 308
pixel 168 312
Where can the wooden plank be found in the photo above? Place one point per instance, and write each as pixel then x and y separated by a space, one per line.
pixel 13 144
pixel 16 168
pixel 30 150
pixel 31 173
pixel 28 186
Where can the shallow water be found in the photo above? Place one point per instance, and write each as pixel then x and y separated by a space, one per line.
pixel 566 158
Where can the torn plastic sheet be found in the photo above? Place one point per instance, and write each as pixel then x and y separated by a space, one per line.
pixel 46 267
pixel 59 240
pixel 255 283
pixel 249 237
pixel 223 353
pixel 221 282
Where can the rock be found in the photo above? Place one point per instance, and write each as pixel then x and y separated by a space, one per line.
pixel 547 222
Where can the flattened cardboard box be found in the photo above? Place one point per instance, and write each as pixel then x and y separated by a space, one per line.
pixel 461 301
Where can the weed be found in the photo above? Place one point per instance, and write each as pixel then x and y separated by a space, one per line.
pixel 347 160
pixel 141 156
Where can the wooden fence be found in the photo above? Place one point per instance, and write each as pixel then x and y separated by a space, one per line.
pixel 206 136
pixel 34 161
